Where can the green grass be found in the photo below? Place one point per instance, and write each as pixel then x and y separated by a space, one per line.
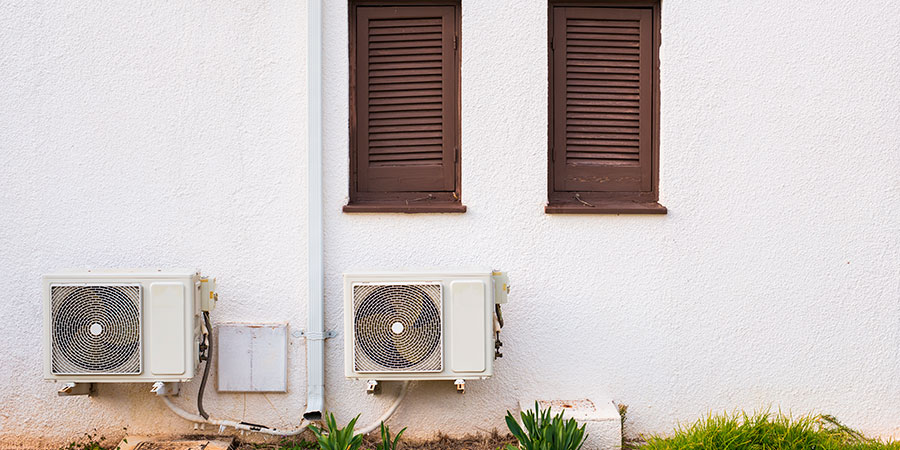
pixel 765 431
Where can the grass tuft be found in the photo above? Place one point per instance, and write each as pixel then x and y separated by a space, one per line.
pixel 765 431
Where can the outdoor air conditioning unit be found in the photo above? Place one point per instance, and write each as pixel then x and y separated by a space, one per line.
pixel 124 325
pixel 422 326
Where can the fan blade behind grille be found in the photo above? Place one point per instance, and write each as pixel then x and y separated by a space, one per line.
pixel 397 327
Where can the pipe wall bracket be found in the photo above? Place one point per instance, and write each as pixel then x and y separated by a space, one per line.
pixel 317 336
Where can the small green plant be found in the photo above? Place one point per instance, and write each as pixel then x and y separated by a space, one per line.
pixel 623 414
pixel 334 438
pixel 387 443
pixel 766 431
pixel 545 432
pixel 91 441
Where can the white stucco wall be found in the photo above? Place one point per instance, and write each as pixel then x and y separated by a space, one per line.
pixel 174 135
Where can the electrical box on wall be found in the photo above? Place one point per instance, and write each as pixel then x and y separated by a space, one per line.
pixel 251 357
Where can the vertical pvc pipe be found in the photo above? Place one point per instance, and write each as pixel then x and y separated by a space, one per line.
pixel 315 331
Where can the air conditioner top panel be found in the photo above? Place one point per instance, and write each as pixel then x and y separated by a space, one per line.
pixel 122 273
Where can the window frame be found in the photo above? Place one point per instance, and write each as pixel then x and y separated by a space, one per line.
pixel 403 201
pixel 593 202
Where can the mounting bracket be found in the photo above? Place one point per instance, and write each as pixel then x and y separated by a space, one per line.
pixel 162 388
pixel 68 389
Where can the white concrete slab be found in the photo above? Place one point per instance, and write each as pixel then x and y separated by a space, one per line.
pixel 603 424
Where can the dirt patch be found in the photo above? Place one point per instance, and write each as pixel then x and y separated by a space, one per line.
pixel 481 441
pixel 470 442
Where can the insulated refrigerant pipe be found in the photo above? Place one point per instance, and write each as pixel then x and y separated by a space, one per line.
pixel 222 423
pixel 230 423
pixel 388 413
pixel 275 432
pixel 315 340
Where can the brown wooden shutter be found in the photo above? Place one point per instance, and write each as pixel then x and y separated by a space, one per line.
pixel 406 100
pixel 602 62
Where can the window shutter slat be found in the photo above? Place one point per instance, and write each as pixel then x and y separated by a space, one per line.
pixel 602 99
pixel 406 99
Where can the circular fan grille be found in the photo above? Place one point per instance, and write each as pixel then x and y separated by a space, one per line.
pixel 397 327
pixel 96 329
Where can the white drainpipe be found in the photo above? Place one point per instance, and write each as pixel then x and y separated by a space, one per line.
pixel 315 331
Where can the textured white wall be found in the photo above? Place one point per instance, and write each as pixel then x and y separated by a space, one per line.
pixel 773 281
pixel 149 134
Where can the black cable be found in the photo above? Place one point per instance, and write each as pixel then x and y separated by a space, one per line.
pixel 208 357
pixel 497 342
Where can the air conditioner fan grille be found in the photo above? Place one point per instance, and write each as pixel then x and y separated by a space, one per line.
pixel 96 329
pixel 397 327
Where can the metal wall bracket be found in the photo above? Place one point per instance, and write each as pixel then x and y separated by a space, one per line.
pixel 313 336
pixel 372 387
pixel 77 389
pixel 161 388
pixel 460 386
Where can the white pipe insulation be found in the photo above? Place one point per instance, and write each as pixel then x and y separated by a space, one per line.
pixel 231 423
pixel 315 331
pixel 388 413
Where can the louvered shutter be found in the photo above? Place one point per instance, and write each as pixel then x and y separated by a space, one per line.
pixel 406 99
pixel 602 99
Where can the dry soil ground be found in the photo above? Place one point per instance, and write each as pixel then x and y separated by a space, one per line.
pixel 485 441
